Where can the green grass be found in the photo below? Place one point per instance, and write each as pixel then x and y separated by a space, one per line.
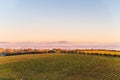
pixel 10 59
pixel 65 67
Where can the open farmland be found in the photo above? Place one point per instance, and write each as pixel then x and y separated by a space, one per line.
pixel 59 67
pixel 102 52
pixel 9 59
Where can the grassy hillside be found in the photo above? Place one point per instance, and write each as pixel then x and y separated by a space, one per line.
pixel 9 59
pixel 59 67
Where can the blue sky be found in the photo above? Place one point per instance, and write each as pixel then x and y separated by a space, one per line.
pixel 60 20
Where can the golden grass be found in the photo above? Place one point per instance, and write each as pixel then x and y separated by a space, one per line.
pixel 102 52
pixel 9 59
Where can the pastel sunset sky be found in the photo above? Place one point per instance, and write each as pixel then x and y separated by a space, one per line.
pixel 60 20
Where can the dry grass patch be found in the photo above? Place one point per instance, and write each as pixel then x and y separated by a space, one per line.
pixel 102 52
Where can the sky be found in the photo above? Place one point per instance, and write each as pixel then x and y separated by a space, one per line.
pixel 95 21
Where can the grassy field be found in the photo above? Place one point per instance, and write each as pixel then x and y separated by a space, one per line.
pixel 59 67
pixel 102 52
pixel 17 58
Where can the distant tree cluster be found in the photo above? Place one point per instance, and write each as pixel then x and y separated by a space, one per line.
pixel 9 52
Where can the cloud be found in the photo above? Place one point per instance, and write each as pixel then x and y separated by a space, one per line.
pixel 58 44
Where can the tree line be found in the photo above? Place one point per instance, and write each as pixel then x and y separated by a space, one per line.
pixel 9 52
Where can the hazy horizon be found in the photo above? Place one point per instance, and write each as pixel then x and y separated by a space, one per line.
pixel 59 44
